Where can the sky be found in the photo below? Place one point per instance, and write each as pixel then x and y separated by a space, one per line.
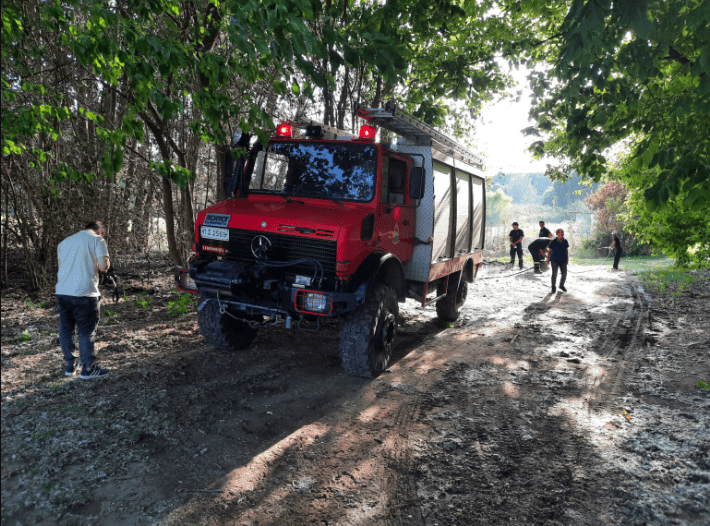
pixel 499 137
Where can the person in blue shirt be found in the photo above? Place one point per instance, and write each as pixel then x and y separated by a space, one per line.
pixel 558 256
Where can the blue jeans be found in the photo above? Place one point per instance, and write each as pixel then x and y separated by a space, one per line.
pixel 563 272
pixel 80 314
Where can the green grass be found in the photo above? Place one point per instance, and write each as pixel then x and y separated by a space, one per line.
pixel 635 264
pixel 703 385
pixel 669 280
pixel 25 336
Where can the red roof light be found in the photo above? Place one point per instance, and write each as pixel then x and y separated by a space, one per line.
pixel 368 132
pixel 285 129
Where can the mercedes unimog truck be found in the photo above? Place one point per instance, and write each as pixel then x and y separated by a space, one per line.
pixel 320 223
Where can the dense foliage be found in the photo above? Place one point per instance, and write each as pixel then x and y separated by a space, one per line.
pixel 124 110
pixel 636 76
pixel 611 212
pixel 132 104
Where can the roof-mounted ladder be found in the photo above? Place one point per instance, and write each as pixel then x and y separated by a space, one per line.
pixel 395 120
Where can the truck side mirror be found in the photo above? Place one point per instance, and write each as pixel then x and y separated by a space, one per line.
pixel 416 182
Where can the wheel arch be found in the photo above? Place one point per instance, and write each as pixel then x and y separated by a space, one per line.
pixel 469 270
pixel 380 267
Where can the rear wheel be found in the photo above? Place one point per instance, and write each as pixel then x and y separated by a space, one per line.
pixel 367 335
pixel 449 308
pixel 222 330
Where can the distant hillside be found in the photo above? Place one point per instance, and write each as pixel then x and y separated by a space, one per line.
pixel 523 188
pixel 537 188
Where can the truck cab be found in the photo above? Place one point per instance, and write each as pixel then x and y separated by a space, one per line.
pixel 324 224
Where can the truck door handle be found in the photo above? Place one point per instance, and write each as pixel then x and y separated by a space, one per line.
pixel 405 222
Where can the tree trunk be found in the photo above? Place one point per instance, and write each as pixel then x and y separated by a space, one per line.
pixel 220 152
pixel 169 211
pixel 343 102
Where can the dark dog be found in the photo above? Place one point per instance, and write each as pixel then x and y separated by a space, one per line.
pixel 109 279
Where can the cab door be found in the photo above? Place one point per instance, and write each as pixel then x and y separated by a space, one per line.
pixel 396 214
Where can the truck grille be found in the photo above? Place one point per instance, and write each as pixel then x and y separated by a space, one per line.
pixel 285 247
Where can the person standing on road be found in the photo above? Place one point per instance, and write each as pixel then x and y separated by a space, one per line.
pixel 538 251
pixel 616 245
pixel 544 231
pixel 81 257
pixel 516 245
pixel 558 255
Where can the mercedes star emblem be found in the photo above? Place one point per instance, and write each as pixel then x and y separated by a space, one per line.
pixel 259 246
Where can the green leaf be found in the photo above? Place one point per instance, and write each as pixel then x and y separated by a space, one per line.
pixel 634 14
pixel 117 160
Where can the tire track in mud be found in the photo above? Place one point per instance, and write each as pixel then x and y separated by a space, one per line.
pixel 399 478
pixel 621 348
pixel 492 464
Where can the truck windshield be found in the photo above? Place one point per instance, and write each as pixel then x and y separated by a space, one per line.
pixel 328 170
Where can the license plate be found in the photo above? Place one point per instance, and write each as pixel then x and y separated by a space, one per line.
pixel 208 232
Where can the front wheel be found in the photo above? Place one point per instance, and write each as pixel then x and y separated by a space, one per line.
pixel 449 308
pixel 367 335
pixel 222 330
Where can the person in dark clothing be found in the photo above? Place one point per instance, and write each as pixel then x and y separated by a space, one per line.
pixel 516 244
pixel 538 251
pixel 616 245
pixel 544 231
pixel 559 256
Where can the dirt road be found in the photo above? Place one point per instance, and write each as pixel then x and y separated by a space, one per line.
pixel 535 408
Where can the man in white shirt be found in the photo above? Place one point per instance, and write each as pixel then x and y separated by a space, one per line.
pixel 81 257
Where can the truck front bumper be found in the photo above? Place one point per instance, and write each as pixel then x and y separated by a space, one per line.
pixel 234 286
pixel 298 301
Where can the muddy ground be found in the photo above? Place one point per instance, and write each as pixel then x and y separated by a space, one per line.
pixel 534 408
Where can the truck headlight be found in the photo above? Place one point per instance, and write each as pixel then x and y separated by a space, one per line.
pixel 314 302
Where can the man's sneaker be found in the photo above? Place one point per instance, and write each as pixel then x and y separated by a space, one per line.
pixel 554 289
pixel 537 270
pixel 93 371
pixel 562 288
pixel 70 369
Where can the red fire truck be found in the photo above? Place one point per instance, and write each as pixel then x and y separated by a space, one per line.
pixel 320 223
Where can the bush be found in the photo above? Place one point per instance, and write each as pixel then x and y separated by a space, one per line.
pixel 180 306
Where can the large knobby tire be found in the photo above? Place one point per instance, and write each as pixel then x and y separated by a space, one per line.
pixel 223 331
pixel 449 308
pixel 367 335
